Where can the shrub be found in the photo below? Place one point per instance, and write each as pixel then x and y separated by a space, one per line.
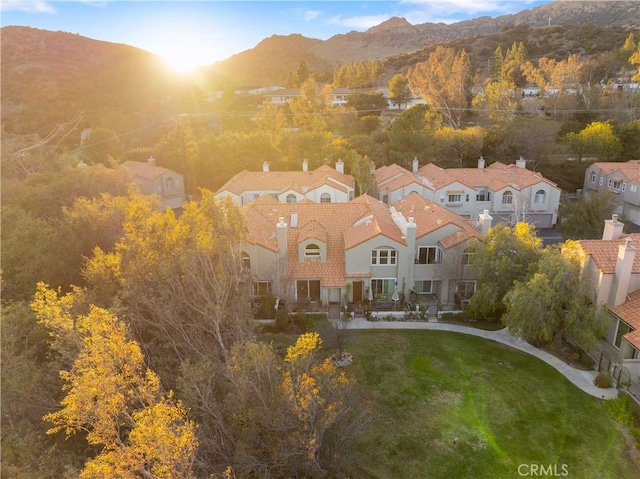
pixel 619 410
pixel 603 380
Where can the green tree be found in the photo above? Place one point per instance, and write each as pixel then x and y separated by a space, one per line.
pixel 506 255
pixel 399 92
pixel 555 300
pixel 362 170
pixel 597 139
pixel 412 134
pixel 115 398
pixel 584 218
pixel 443 82
pixel 101 146
pixel 178 151
pixel 367 104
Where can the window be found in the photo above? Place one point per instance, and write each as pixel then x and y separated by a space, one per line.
pixel 624 186
pixel 507 198
pixel 246 261
pixel 483 195
pixel 466 290
pixel 623 328
pixel 633 187
pixel 615 185
pixel 383 286
pixel 424 287
pixel 312 251
pixel 170 184
pixel 593 177
pixel 467 199
pixel 308 289
pixel 467 256
pixel 441 198
pixel 385 198
pixel 291 198
pixel 601 180
pixel 262 288
pixel 384 256
pixel 455 198
pixel 325 198
pixel 540 196
pixel 429 255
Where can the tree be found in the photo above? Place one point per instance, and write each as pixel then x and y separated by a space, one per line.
pixel 443 82
pixel 301 74
pixel 497 101
pixel 367 104
pixel 114 397
pixel 178 151
pixel 555 301
pixel 506 255
pixel 101 146
pixel 362 169
pixel 412 134
pixel 584 218
pixel 312 108
pixel 634 59
pixel 597 139
pixel 399 92
pixel 456 146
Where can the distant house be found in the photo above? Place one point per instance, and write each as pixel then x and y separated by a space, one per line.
pixel 156 180
pixel 285 95
pixel 322 185
pixel 620 179
pixel 614 266
pixel 510 193
pixel 313 253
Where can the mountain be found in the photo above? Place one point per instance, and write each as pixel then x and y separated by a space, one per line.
pixel 48 77
pixel 272 59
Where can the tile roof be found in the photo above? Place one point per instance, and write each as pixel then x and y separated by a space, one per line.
pixel 145 170
pixel 394 177
pixel 605 253
pixel 280 181
pixel 629 312
pixel 379 221
pixel 630 169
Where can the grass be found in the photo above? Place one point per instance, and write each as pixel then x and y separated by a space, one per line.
pixel 446 405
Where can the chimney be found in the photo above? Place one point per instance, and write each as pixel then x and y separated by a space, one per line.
pixel 612 228
pixel 305 165
pixel 521 163
pixel 415 166
pixel 624 268
pixel 265 167
pixel 486 221
pixel 151 160
pixel 410 236
pixel 281 234
pixel 340 166
pixel 481 163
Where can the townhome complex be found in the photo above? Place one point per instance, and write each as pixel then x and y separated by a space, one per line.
pixel 322 185
pixel 622 180
pixel 314 253
pixel 156 180
pixel 614 266
pixel 511 193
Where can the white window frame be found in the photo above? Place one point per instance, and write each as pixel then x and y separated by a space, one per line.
pixel 540 197
pixel 507 198
pixel 467 254
pixel 454 198
pixel 593 177
pixel 261 288
pixel 325 198
pixel 422 283
pixel 312 251
pixel 390 256
pixel 390 284
pixel 463 285
pixel 601 181
pixel 291 198
pixel 308 281
pixel 437 255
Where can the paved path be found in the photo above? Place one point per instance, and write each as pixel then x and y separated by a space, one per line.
pixel 582 379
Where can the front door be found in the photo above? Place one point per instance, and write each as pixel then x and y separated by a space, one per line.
pixel 334 295
pixel 358 289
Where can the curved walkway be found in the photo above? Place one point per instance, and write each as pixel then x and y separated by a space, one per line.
pixel 582 379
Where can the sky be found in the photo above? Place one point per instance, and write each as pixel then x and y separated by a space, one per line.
pixel 201 32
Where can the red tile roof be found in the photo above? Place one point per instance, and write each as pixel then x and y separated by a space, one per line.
pixel 605 253
pixel 145 170
pixel 630 169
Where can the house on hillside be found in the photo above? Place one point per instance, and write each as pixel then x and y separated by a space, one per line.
pixel 156 180
pixel 316 254
pixel 340 96
pixel 620 179
pixel 510 193
pixel 614 266
pixel 322 185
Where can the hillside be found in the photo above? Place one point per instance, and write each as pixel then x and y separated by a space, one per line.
pixel 272 59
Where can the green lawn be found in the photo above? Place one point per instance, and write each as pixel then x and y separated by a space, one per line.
pixel 446 405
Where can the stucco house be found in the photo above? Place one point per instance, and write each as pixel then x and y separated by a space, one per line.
pixel 340 96
pixel 322 185
pixel 156 180
pixel 620 179
pixel 614 266
pixel 510 193
pixel 337 253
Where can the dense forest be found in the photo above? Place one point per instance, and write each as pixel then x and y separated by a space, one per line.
pixel 101 288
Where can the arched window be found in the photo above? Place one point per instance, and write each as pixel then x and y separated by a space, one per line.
pixel 507 198
pixel 291 198
pixel 312 251
pixel 170 184
pixel 593 177
pixel 325 198
pixel 540 196
pixel 246 261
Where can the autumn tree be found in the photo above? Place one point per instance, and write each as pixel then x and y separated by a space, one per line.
pixel 443 82
pixel 554 301
pixel 301 74
pixel 178 151
pixel 455 147
pixel 506 255
pixel 362 170
pixel 584 218
pixel 497 102
pixel 399 92
pixel 114 397
pixel 312 108
pixel 634 59
pixel 597 139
